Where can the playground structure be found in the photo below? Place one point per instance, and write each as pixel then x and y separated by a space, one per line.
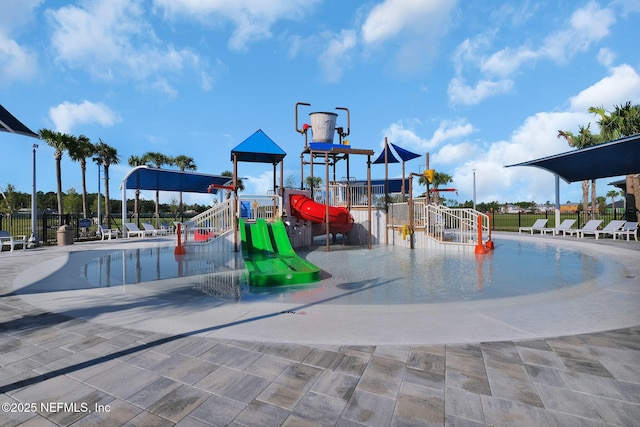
pixel 268 228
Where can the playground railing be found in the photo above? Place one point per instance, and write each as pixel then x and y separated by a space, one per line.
pixel 213 222
pixel 399 213
pixel 455 225
pixel 349 195
pixel 252 207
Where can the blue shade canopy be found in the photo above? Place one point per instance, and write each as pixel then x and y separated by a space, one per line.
pixel 615 158
pixel 405 155
pixel 390 157
pixel 8 123
pixel 258 148
pixel 147 178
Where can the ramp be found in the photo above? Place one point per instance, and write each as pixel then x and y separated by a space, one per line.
pixel 269 257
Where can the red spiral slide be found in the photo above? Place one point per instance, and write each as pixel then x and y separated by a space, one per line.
pixel 340 220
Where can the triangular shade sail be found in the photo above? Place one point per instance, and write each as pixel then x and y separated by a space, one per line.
pixel 615 158
pixel 390 157
pixel 405 155
pixel 258 148
pixel 9 123
pixel 147 178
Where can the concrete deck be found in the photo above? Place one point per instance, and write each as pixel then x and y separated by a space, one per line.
pixel 567 357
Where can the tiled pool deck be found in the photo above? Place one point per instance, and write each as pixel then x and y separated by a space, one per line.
pixel 107 365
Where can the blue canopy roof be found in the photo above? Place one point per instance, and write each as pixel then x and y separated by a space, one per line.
pixel 390 157
pixel 258 148
pixel 148 178
pixel 405 155
pixel 615 158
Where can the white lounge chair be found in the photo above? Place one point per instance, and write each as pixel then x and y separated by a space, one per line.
pixel 154 231
pixel 539 225
pixel 134 230
pixel 562 228
pixel 591 225
pixel 107 232
pixel 630 228
pixel 608 229
pixel 11 241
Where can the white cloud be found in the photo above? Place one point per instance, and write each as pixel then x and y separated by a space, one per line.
pixel 587 26
pixel 462 94
pixel 16 62
pixel 336 55
pixel 252 20
pixel 67 115
pixel 112 39
pixel 622 85
pixel 412 25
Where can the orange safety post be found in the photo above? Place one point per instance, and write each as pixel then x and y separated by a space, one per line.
pixel 480 249
pixel 490 246
pixel 179 250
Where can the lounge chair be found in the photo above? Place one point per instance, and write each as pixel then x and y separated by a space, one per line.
pixel 134 230
pixel 107 232
pixel 537 226
pixel 608 229
pixel 11 241
pixel 591 225
pixel 563 227
pixel 630 228
pixel 154 231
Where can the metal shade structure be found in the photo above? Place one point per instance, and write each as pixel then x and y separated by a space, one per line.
pixel 148 178
pixel 614 158
pixel 258 148
pixel 9 123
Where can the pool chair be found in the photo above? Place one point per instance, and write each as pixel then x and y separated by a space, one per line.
pixel 109 233
pixel 154 231
pixel 630 228
pixel 7 239
pixel 591 225
pixel 608 229
pixel 537 226
pixel 562 228
pixel 134 230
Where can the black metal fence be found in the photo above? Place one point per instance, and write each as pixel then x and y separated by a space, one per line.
pixel 47 225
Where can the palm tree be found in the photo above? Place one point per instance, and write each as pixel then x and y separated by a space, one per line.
pixel 133 162
pixel 184 163
pixel 239 183
pixel 59 141
pixel 108 156
pixel 80 150
pixel 583 139
pixel 157 160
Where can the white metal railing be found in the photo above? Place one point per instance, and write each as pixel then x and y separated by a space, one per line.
pixel 346 194
pixel 213 222
pixel 399 213
pixel 455 225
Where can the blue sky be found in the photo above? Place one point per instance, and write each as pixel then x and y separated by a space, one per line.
pixel 476 87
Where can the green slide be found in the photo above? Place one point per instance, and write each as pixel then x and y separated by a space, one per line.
pixel 269 257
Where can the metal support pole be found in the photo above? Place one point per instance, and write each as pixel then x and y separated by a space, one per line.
pixel 33 239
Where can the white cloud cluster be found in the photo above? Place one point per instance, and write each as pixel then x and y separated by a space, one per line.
pixel 17 62
pixel 112 39
pixel 252 20
pixel 67 115
pixel 587 26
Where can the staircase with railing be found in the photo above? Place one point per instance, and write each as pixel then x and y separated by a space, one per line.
pixel 455 225
pixel 213 222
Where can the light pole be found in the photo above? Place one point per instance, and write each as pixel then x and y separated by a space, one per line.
pixel 33 239
pixel 99 161
pixel 474 189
